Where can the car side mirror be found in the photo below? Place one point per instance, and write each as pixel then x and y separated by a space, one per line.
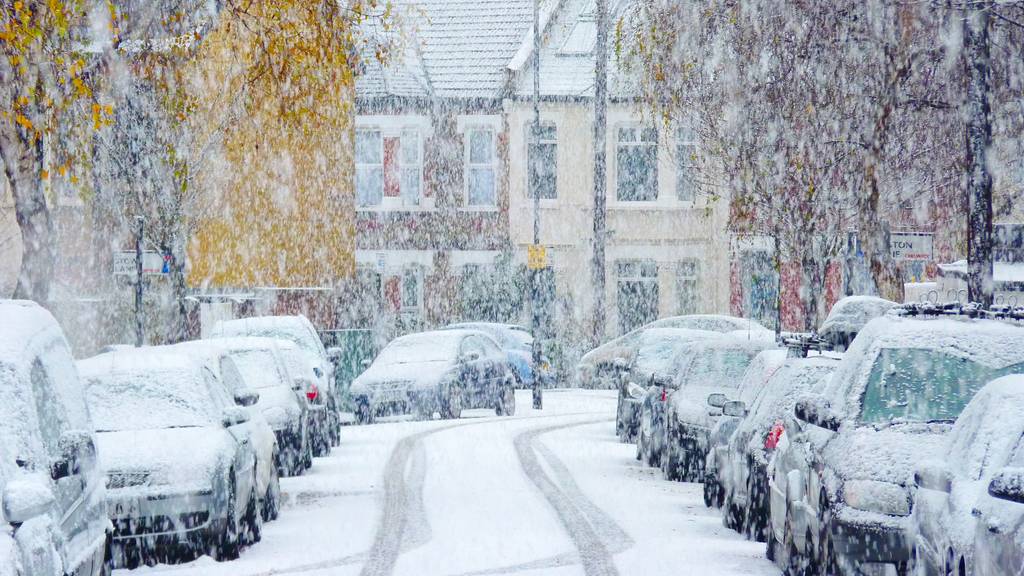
pixel 934 476
pixel 26 499
pixel 816 412
pixel 78 451
pixel 735 409
pixel 334 353
pixel 717 400
pixel 247 397
pixel 1008 484
pixel 233 415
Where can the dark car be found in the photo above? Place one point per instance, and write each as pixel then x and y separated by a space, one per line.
pixel 517 343
pixel 442 371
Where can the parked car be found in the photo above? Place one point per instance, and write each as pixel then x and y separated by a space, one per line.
pixel 596 369
pixel 303 375
pixel 736 476
pixel 214 357
pixel 181 469
pixel 52 486
pixel 987 442
pixel 848 316
pixel 841 492
pixel 728 369
pixel 300 331
pixel 282 401
pixel 517 343
pixel 443 371
pixel 656 350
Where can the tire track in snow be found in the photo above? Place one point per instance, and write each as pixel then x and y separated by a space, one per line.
pixel 587 525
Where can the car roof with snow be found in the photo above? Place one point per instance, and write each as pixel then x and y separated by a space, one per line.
pixel 995 344
pixel 989 429
pixel 298 329
pixel 852 313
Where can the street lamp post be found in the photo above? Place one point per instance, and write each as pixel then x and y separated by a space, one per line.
pixel 538 398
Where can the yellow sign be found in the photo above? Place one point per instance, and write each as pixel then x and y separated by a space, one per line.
pixel 536 257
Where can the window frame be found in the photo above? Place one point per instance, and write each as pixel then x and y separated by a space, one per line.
pixel 468 165
pixel 684 137
pixel 380 165
pixel 400 202
pixel 528 131
pixel 695 277
pixel 417 272
pixel 639 142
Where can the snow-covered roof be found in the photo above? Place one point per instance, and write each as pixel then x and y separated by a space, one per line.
pixel 567 59
pixel 458 48
pixel 850 314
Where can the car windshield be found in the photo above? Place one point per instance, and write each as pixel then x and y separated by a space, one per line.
pixel 149 401
pixel 656 354
pixel 720 367
pixel 258 368
pixel 924 385
pixel 429 347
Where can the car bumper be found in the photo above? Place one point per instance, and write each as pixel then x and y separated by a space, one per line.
pixel 148 520
pixel 397 401
pixel 870 541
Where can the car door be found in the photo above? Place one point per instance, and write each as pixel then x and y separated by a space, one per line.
pixel 245 456
pixel 471 357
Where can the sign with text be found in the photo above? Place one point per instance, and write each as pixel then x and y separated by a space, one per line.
pixel 153 263
pixel 536 257
pixel 911 247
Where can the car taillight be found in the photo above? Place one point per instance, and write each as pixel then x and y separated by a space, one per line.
pixel 312 393
pixel 774 435
pixel 664 394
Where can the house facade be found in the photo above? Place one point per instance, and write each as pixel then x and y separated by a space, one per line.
pixel 431 153
pixel 667 247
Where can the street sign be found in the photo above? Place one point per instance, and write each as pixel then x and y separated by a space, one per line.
pixel 911 247
pixel 153 263
pixel 536 257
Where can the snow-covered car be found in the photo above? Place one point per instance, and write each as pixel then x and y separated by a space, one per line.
pixel 517 342
pixel 54 516
pixel 987 441
pixel 848 316
pixel 181 470
pixel 300 331
pixel 303 375
pixel 443 371
pixel 218 360
pixel 854 449
pixel 728 369
pixel 282 401
pixel 597 368
pixel 736 477
pixel 656 350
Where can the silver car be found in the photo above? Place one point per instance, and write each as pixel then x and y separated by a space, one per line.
pixel 181 470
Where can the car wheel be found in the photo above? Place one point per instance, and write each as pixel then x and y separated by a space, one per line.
pixel 272 499
pixel 756 517
pixel 228 540
pixel 827 561
pixel 451 403
pixel 506 404
pixel 794 563
pixel 711 489
pixel 670 462
pixel 732 515
pixel 253 517
pixel 307 455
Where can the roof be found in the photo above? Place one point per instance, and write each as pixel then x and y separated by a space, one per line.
pixel 566 69
pixel 22 321
pixel 136 360
pixel 457 49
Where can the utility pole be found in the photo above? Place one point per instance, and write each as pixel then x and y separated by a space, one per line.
pixel 138 282
pixel 538 398
pixel 600 130
pixel 979 138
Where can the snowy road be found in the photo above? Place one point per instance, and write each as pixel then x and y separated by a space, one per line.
pixel 546 492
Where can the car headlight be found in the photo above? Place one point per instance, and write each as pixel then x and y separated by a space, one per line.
pixel 880 497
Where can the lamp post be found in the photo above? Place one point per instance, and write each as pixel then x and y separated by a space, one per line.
pixel 538 398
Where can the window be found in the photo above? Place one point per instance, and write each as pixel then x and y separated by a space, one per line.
pixel 412 288
pixel 388 167
pixel 544 151
pixel 637 164
pixel 480 170
pixel 686 165
pixel 688 286
pixel 369 168
pixel 637 293
pixel 51 419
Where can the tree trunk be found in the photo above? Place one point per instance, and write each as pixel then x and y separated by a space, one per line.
pixel 23 170
pixel 978 139
pixel 600 130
